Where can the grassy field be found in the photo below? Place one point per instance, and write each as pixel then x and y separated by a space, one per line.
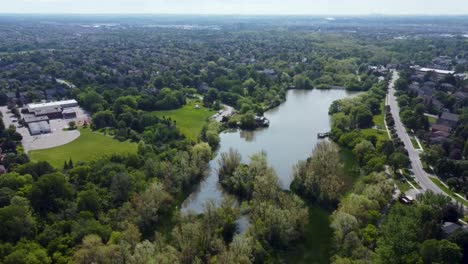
pixel 448 191
pixel 379 119
pixel 381 135
pixel 403 185
pixel 414 142
pixel 432 119
pixel 189 120
pixel 88 146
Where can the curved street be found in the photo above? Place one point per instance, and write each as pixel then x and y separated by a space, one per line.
pixel 420 175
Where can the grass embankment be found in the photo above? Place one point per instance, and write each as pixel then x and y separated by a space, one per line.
pixel 448 191
pixel 89 146
pixel 414 142
pixel 189 120
pixel 402 185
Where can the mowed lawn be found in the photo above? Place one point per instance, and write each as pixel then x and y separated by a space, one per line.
pixel 90 145
pixel 189 120
pixel 378 120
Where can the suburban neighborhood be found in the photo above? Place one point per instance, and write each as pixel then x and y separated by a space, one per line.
pixel 291 132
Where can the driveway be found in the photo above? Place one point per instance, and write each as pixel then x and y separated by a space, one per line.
pixel 58 137
pixel 420 175
pixel 227 112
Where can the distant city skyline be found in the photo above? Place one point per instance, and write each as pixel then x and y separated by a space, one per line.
pixel 242 7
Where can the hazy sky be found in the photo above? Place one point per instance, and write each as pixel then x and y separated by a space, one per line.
pixel 320 7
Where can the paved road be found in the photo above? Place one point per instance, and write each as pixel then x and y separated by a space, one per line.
pixel 227 112
pixel 420 175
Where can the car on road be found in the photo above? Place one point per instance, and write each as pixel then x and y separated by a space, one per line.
pixel 405 200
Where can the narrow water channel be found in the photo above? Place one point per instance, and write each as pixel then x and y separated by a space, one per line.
pixel 291 137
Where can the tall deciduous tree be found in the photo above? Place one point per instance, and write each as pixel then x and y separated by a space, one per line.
pixel 321 177
pixel 50 193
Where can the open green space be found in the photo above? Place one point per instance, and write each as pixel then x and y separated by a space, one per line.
pixel 381 135
pixel 432 119
pixel 448 191
pixel 380 131
pixel 379 119
pixel 189 120
pixel 90 145
pixel 411 180
pixel 403 185
pixel 414 142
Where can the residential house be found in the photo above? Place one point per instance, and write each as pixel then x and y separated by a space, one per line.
pixel 442 63
pixel 449 228
pixel 270 73
pixel 441 127
pixel 448 119
pixel 447 87
pixel 461 96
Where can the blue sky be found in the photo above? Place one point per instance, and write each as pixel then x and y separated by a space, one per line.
pixel 318 7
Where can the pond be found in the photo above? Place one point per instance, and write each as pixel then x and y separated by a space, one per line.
pixel 291 137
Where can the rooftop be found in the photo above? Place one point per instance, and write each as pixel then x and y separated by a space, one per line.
pixel 436 71
pixel 422 69
pixel 47 110
pixel 52 104
pixel 68 111
pixel 39 127
pixel 449 116
pixel 33 118
pixel 450 227
pixel 441 127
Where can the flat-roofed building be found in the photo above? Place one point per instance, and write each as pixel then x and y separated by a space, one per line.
pixel 62 104
pixel 38 128
pixel 69 113
pixel 29 118
pixel 439 74
pixel 52 112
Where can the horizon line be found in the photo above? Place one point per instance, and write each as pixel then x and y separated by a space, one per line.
pixel 232 14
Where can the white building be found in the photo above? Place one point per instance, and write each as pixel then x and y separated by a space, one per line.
pixel 63 104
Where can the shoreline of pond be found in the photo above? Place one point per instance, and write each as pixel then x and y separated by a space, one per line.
pixel 291 137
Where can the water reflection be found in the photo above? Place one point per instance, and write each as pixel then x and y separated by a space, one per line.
pixel 291 137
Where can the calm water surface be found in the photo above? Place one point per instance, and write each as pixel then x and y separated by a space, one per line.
pixel 291 137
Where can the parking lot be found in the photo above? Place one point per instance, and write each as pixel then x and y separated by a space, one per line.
pixel 58 136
